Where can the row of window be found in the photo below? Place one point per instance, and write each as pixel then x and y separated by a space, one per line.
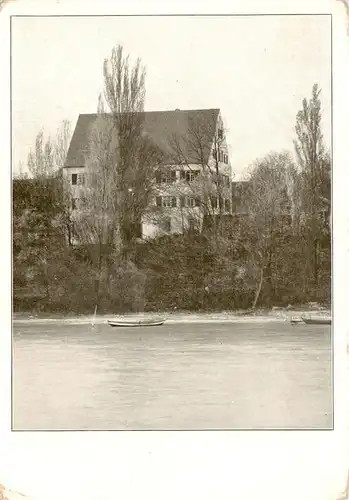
pixel 188 202
pixel 170 176
pixel 162 177
pixel 173 202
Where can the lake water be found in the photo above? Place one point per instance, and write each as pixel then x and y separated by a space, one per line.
pixel 178 376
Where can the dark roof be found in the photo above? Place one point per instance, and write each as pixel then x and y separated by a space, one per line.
pixel 160 126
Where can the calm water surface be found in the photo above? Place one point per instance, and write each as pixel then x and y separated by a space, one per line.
pixel 179 376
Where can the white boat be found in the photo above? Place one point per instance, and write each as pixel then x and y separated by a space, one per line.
pixel 295 320
pixel 133 322
pixel 316 320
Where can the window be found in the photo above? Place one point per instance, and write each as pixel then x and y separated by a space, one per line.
pixel 226 159
pixel 225 180
pixel 214 202
pixel 81 179
pixel 158 201
pixel 74 179
pixel 165 176
pixel 191 224
pixel 190 202
pixel 227 205
pixel 220 133
pixel 189 175
pixel 168 201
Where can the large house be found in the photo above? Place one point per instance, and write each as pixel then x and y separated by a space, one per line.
pixel 193 179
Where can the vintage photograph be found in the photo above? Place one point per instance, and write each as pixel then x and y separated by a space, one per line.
pixel 171 222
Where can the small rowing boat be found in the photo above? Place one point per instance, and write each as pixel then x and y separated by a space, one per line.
pixel 133 323
pixel 316 320
pixel 295 320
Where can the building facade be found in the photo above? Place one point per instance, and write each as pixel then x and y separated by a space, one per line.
pixel 193 179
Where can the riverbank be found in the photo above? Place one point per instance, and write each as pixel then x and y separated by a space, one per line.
pixel 274 315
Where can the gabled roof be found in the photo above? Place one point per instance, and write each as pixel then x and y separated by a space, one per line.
pixel 160 126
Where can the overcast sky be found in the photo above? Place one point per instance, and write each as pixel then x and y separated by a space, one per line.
pixel 256 70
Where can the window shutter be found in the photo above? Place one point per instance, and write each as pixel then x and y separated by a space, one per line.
pixel 74 179
pixel 173 176
pixel 197 202
pixel 158 177
pixel 174 201
pixel 158 201
pixel 182 175
pixel 182 201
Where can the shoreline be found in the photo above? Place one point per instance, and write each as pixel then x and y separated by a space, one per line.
pixel 276 315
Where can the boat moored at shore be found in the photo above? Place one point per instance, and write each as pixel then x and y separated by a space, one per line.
pixel 319 320
pixel 134 323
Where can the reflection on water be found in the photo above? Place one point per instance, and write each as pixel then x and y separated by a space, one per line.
pixel 185 376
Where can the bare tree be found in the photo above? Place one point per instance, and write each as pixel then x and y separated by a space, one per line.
pixel 61 144
pixel 21 171
pixel 41 160
pixel 94 211
pixel 205 172
pixel 137 157
pixel 269 201
pixel 314 174
pixel 120 162
pixel 48 156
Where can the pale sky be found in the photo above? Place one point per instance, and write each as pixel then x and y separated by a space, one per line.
pixel 255 69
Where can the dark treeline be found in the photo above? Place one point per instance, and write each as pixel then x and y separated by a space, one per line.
pixel 183 272
pixel 276 254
